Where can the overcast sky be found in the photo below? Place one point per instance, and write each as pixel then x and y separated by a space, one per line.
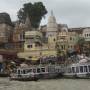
pixel 74 13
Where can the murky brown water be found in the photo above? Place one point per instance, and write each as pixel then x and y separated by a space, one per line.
pixel 59 84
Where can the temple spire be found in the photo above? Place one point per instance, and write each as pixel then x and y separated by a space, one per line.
pixel 52 25
pixel 52 13
pixel 28 23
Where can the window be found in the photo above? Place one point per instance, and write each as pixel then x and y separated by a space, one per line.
pixel 56 70
pixel 42 69
pixel 24 72
pixel 54 39
pixel 71 46
pixel 34 70
pixel 81 69
pixel 30 57
pixel 69 70
pixel 68 46
pixel 89 67
pixel 30 70
pixel 36 45
pixel 73 69
pixel 85 69
pixel 38 70
pixel 29 46
pixel 62 47
pixel 20 37
pixel 85 35
pixel 70 38
pixel 77 69
pixel 51 69
pixel 18 71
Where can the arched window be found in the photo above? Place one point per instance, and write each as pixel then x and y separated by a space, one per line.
pixel 70 38
pixel 29 46
pixel 89 34
pixel 54 39
pixel 85 35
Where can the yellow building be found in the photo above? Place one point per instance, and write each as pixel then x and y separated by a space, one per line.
pixel 34 48
pixel 42 43
pixel 62 38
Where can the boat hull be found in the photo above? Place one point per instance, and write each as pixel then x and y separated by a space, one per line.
pixel 79 76
pixel 50 76
pixel 24 79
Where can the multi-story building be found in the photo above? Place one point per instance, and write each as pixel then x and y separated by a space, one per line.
pixel 62 38
pixel 6 30
pixel 33 44
pixel 42 42
pixel 19 33
pixel 35 47
pixel 86 34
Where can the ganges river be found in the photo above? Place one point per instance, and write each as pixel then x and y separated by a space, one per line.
pixel 53 84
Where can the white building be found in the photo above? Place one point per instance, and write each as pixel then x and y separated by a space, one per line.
pixel 86 34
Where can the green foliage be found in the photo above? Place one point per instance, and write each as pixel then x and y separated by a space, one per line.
pixel 81 41
pixel 35 12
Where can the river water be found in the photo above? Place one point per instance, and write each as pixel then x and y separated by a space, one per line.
pixel 54 84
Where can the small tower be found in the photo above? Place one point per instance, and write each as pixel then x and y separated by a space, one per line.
pixel 52 30
pixel 27 23
pixel 52 25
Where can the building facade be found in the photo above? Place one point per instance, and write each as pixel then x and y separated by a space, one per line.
pixel 6 30
pixel 43 42
pixel 32 44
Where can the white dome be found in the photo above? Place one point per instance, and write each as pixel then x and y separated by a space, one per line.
pixel 51 19
pixel 52 25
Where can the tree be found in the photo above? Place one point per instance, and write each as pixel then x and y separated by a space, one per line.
pixel 35 12
pixel 81 43
pixel 87 48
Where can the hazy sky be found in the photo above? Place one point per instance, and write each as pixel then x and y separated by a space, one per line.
pixel 74 13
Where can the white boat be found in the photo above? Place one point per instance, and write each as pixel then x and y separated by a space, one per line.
pixel 35 72
pixel 24 74
pixel 78 70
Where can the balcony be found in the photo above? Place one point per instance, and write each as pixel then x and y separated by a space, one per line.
pixel 33 34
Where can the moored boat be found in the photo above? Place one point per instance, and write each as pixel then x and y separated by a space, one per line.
pixel 35 72
pixel 78 70
pixel 24 74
